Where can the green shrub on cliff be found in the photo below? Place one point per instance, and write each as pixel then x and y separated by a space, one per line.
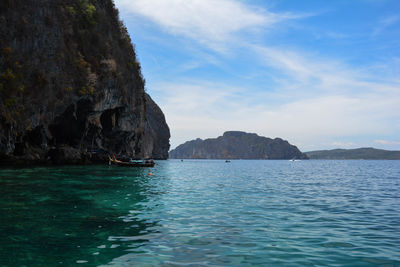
pixel 9 102
pixel 90 11
pixel 8 75
pixel 84 11
pixel 71 10
pixel 82 91
pixel 89 90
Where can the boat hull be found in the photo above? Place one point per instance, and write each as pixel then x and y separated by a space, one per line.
pixel 131 164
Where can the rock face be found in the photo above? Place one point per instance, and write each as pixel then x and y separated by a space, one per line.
pixel 157 133
pixel 71 88
pixel 237 145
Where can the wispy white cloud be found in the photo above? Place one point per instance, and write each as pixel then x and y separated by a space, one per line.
pixel 387 142
pixel 385 23
pixel 212 23
pixel 336 35
pixel 315 74
pixel 309 70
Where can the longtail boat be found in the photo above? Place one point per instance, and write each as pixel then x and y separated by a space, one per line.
pixel 132 163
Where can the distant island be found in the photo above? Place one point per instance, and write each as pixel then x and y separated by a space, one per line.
pixel 358 153
pixel 237 145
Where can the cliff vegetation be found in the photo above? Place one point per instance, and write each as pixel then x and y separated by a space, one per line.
pixel 71 88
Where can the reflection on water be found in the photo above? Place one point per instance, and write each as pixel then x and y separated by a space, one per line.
pixel 203 213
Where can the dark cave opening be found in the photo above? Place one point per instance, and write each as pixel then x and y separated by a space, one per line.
pixel 107 120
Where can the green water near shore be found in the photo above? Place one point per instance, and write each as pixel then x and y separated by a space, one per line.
pixel 202 213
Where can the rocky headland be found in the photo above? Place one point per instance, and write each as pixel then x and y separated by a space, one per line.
pixel 237 145
pixel 71 88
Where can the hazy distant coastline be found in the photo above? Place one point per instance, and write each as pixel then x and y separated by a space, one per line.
pixel 358 153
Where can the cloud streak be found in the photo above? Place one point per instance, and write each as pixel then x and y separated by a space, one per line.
pixel 385 23
pixel 212 23
pixel 387 142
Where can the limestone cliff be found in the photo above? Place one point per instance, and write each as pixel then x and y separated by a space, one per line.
pixel 237 145
pixel 157 132
pixel 71 88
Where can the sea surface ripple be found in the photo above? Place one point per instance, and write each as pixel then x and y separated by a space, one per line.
pixel 202 213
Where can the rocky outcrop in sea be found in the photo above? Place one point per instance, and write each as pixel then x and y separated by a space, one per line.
pixel 237 145
pixel 71 88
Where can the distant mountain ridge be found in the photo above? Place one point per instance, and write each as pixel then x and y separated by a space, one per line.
pixel 237 145
pixel 358 153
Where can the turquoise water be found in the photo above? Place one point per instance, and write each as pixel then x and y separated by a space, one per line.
pixel 203 213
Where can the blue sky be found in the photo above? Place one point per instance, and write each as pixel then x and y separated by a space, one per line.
pixel 320 74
